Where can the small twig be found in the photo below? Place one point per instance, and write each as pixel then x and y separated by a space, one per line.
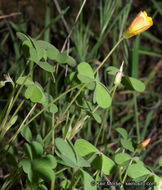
pixel 10 15
pixel 63 19
pixel 76 19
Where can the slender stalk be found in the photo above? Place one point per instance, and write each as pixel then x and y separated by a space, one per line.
pixel 13 100
pixel 105 116
pixel 22 125
pixel 76 19
pixel 53 146
pixel 113 91
pixel 136 117
pixel 53 134
pixel 7 114
pixel 76 181
pixel 46 107
pixel 108 55
pixel 125 176
pixel 114 88
pixel 6 127
pixel 60 171
pixel 53 128
pixel 18 92
pixel 102 124
pixel 83 86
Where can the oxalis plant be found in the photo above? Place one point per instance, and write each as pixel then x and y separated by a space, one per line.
pixel 56 157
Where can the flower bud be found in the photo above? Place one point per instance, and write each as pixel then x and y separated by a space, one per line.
pixel 144 143
pixel 98 63
pixel 119 75
pixel 139 24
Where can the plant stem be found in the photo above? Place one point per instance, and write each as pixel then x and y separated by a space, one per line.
pixel 22 125
pixel 46 107
pixel 6 127
pixel 73 100
pixel 136 116
pixel 125 176
pixel 53 128
pixel 108 55
pixel 13 100
pixel 53 135
pixel 105 116
pixel 102 124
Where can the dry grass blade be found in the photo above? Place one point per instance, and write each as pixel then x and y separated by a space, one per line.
pixel 10 15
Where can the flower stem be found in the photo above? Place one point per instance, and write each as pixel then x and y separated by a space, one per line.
pixel 108 55
pixel 136 117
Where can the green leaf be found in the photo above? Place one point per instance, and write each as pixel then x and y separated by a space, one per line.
pixel 65 149
pixel 52 51
pixel 122 132
pixel 71 61
pixel 84 69
pixel 34 93
pixel 91 86
pixel 33 52
pixel 137 170
pixel 48 161
pixel 84 148
pixel 65 184
pixel 127 144
pixel 160 161
pixel 29 51
pixel 82 162
pixel 96 161
pixel 42 187
pixel 87 181
pixel 133 84
pixel 26 165
pixel 62 58
pixel 67 161
pixel 46 66
pixel 28 150
pixel 37 149
pixel 44 167
pixel 42 54
pixel 26 133
pixel 52 54
pixel 121 158
pixel 22 36
pixel 112 70
pixel 107 165
pixel 48 98
pixel 84 79
pixel 102 96
pixel 96 117
pixel 28 81
pixel 158 181
pixel 43 172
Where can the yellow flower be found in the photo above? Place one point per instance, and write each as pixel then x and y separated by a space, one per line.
pixel 139 24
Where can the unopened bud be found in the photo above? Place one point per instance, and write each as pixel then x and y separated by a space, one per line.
pixel 145 143
pixel 98 63
pixel 119 75
pixel 8 79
